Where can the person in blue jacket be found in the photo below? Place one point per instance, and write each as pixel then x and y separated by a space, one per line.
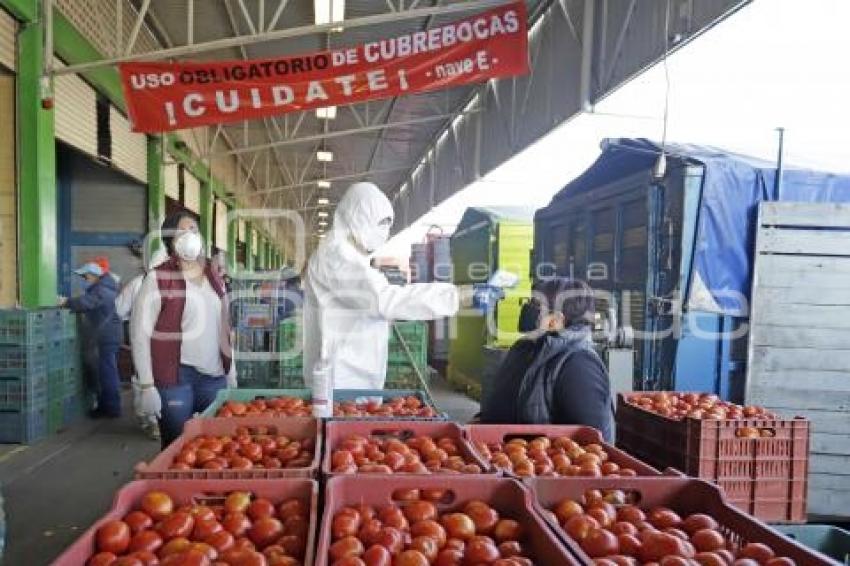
pixel 98 304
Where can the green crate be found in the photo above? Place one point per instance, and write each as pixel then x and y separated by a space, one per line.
pixel 23 394
pixel 415 336
pixel 55 415
pixel 23 427
pixel 23 361
pixel 248 394
pixel 403 376
pixel 19 327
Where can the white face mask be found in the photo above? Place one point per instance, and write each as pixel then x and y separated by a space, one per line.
pixel 189 246
pixel 375 238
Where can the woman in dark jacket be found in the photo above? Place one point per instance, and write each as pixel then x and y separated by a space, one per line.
pixel 553 375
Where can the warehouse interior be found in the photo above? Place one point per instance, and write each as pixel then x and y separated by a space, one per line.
pixel 80 182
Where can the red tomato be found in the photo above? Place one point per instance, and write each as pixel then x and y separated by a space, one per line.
pixel 138 521
pixel 291 508
pixel 757 551
pixel 221 540
pixel 458 525
pixel 411 558
pixel 377 555
pixel 348 546
pixel 157 504
pixel 260 508
pixel 102 559
pixel 150 541
pixel 113 536
pixel 265 531
pixel 600 543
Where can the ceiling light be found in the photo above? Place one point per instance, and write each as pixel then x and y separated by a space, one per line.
pixel 323 184
pixel 326 113
pixel 321 235
pixel 325 156
pixel 328 11
pixel 323 223
pixel 322 200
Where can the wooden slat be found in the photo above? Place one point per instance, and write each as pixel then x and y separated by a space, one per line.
pixel 779 265
pixel 805 315
pixel 829 502
pixel 778 297
pixel 808 380
pixel 834 215
pixel 830 464
pixel 813 242
pixel 768 358
pixel 798 399
pixel 829 481
pixel 836 444
pixel 792 337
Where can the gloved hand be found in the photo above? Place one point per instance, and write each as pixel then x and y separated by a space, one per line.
pixel 149 401
pixel 231 377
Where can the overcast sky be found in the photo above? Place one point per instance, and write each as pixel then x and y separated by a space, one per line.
pixel 773 63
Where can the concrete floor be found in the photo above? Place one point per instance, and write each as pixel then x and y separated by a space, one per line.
pixel 58 487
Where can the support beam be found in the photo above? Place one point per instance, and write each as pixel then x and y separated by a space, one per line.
pixel 206 224
pixel 300 31
pixel 348 177
pixel 232 237
pixel 333 135
pixel 249 247
pixel 156 193
pixel 37 176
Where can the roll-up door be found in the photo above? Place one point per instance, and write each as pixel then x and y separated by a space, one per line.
pixel 8 226
pixel 129 149
pixel 76 113
pixel 220 225
pixel 97 189
pixel 8 33
pixel 191 192
pixel 172 181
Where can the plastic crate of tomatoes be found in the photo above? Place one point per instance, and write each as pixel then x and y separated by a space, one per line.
pixel 201 522
pixel 759 459
pixel 399 447
pixel 674 521
pixel 383 404
pixel 253 402
pixel 526 450
pixel 247 448
pixel 416 521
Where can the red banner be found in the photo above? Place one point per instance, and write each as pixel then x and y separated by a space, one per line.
pixel 172 96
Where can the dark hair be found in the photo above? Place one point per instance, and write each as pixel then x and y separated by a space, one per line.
pixel 573 297
pixel 169 227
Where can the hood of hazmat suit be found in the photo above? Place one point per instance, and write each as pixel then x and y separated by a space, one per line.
pixel 348 305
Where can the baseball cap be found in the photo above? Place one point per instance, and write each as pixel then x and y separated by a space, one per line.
pixel 103 262
pixel 89 268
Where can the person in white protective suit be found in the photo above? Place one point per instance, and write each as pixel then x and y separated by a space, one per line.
pixel 348 305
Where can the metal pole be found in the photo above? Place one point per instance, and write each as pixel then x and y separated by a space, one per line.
pixel 225 43
pixel 777 181
pixel 47 7
pixel 586 56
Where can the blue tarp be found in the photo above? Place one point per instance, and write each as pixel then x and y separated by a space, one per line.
pixel 732 187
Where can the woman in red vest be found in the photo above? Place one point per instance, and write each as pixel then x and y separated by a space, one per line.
pixel 180 331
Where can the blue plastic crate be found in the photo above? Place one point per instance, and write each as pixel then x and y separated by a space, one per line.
pixel 72 409
pixel 21 361
pixel 23 427
pixel 19 327
pixel 23 394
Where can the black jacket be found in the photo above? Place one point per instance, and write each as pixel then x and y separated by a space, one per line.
pixel 552 379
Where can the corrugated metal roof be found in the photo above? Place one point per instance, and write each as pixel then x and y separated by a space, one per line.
pixel 392 152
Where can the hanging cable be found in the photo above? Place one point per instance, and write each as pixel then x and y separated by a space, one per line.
pixel 660 168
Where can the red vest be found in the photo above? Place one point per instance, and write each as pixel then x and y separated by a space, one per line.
pixel 167 339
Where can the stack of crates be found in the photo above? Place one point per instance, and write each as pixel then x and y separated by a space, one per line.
pixel 64 376
pixel 402 363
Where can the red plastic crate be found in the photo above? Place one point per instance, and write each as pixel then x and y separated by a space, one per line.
pixel 507 496
pixel 583 435
pixel 683 495
pixel 711 450
pixel 191 491
pixel 295 427
pixel 336 431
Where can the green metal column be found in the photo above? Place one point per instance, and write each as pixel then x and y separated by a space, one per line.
pixel 156 192
pixel 206 215
pixel 249 248
pixel 37 178
pixel 232 236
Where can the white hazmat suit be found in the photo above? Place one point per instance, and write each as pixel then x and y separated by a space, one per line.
pixel 348 305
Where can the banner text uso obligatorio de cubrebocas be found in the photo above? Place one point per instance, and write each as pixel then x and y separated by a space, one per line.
pixel 171 96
